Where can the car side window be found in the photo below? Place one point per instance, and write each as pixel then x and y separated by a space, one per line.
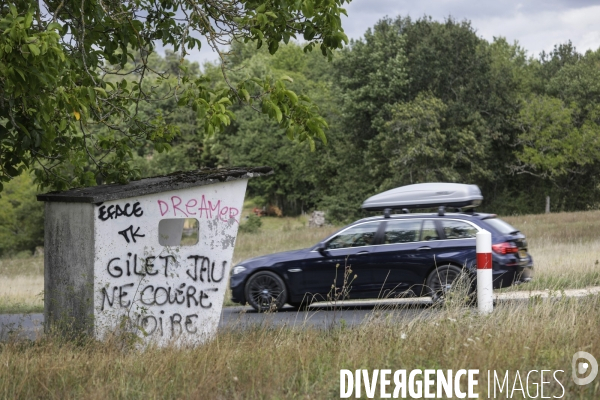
pixel 357 236
pixel 429 231
pixel 402 231
pixel 458 229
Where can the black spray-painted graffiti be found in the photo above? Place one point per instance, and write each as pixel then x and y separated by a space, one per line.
pixel 129 232
pixel 150 324
pixel 115 269
pixel 151 294
pixel 116 211
pixel 205 267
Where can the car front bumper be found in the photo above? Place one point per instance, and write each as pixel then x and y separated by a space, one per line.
pixel 236 284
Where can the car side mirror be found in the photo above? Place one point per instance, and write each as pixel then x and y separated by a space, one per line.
pixel 321 249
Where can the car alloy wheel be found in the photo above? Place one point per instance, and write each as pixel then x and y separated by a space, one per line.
pixel 266 291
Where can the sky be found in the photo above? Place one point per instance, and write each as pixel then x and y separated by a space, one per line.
pixel 536 25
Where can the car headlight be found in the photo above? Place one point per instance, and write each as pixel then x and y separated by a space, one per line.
pixel 238 270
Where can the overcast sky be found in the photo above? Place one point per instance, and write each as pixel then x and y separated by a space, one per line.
pixel 536 25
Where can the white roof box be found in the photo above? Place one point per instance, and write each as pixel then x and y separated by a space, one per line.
pixel 425 195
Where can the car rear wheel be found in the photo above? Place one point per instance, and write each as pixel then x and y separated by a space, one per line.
pixel 265 291
pixel 446 281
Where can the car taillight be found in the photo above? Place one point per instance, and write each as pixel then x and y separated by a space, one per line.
pixel 505 248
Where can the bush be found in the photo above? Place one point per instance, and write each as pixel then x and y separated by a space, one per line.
pixel 21 217
pixel 252 224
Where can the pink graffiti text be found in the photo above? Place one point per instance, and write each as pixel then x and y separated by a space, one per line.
pixel 204 208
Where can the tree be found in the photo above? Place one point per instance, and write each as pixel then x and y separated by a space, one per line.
pixel 559 141
pixel 73 78
pixel 412 101
pixel 414 145
pixel 439 71
pixel 254 139
pixel 21 217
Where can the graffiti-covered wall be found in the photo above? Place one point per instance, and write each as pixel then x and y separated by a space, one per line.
pixel 147 283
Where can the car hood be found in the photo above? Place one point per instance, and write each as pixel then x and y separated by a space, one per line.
pixel 270 259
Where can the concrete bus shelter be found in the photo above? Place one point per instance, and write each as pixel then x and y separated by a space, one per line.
pixel 151 257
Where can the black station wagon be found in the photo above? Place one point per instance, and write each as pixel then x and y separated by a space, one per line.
pixel 389 256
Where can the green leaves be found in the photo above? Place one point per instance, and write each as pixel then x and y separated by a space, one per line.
pixel 551 145
pixel 269 108
pixel 34 49
pixel 81 93
pixel 308 8
pixel 245 95
pixel 414 144
pixel 29 89
pixel 291 96
pixel 319 23
pixel 21 216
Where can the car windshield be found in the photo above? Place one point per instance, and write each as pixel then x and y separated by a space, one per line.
pixel 501 226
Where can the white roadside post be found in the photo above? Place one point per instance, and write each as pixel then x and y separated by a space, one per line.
pixel 485 289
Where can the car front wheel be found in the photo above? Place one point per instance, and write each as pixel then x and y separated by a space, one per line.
pixel 265 291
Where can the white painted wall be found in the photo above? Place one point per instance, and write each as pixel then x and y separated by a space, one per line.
pixel 195 276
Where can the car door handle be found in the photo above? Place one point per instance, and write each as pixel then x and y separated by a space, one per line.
pixel 424 248
pixel 295 270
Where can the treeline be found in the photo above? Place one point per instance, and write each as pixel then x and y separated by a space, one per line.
pixel 412 101
pixel 417 101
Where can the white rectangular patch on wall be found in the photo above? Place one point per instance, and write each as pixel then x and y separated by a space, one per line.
pixel 178 231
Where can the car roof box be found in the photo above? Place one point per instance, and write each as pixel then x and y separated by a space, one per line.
pixel 426 195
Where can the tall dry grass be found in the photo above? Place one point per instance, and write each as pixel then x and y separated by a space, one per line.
pixel 304 363
pixel 565 249
pixel 22 294
pixel 21 285
pixel 571 227
pixel 271 362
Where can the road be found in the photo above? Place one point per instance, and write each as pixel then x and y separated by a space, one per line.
pixel 324 315
pixel 319 315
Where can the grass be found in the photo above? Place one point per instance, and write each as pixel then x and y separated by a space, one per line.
pixel 22 285
pixel 295 363
pixel 564 247
pixel 270 362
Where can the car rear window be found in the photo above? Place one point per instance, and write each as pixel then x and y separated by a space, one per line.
pixel 501 226
pixel 402 231
pixel 458 229
pixel 429 231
